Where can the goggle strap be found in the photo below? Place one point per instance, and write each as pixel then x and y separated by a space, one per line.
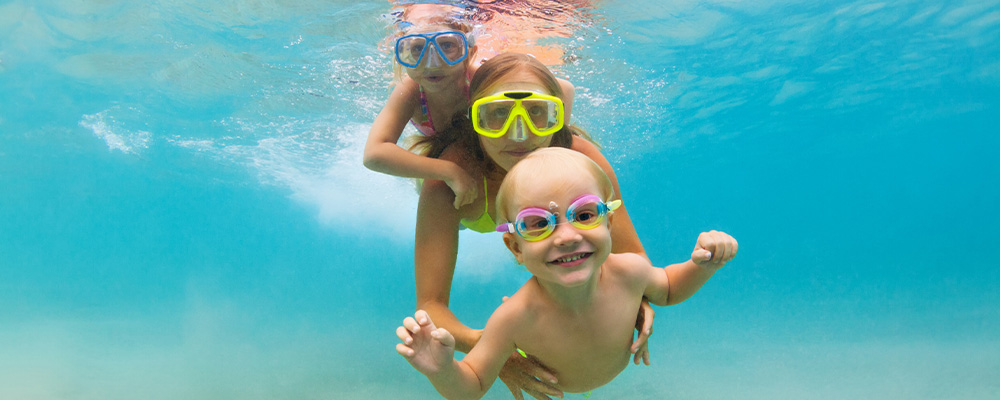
pixel 506 228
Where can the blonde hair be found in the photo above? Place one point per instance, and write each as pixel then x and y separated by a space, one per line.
pixel 548 161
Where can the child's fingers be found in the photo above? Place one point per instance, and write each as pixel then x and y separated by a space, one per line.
pixel 645 356
pixel 423 318
pixel 411 325
pixel 463 198
pixel 639 356
pixel 404 335
pixel 701 256
pixel 404 350
pixel 535 368
pixel 644 324
pixel 442 335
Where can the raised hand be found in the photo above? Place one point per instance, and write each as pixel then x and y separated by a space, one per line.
pixel 714 249
pixel 426 347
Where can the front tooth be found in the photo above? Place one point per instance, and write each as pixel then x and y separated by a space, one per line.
pixel 571 258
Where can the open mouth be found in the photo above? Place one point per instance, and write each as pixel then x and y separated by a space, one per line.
pixel 434 78
pixel 571 260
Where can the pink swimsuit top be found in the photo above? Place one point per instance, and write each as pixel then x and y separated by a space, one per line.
pixel 424 124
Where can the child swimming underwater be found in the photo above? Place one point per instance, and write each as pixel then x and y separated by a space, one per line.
pixel 577 313
pixel 436 50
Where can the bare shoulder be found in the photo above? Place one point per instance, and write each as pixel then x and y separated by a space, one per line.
pixel 630 267
pixel 567 88
pixel 464 157
pixel 588 149
pixel 516 310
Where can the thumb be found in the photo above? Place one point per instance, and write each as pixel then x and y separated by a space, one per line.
pixel 701 256
pixel 442 335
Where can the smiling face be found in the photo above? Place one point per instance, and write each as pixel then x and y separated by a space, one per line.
pixel 506 151
pixel 570 256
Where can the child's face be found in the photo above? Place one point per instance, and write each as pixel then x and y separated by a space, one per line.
pixel 433 73
pixel 504 150
pixel 570 256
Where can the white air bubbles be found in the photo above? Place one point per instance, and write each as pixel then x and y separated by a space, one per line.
pixel 115 133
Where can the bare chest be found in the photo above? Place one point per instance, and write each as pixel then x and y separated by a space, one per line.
pixel 588 350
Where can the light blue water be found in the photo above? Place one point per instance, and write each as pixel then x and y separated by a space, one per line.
pixel 183 213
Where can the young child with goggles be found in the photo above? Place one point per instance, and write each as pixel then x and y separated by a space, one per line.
pixel 576 282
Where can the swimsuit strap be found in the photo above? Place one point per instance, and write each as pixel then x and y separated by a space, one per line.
pixel 486 199
pixel 423 107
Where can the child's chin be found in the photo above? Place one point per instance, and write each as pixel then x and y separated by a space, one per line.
pixel 576 277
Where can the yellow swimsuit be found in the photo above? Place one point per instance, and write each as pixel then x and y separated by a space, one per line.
pixel 483 224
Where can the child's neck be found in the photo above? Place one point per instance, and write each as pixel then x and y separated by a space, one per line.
pixel 576 299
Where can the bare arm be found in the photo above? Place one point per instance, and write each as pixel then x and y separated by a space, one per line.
pixel 435 255
pixel 678 282
pixel 624 238
pixel 382 154
pixel 431 351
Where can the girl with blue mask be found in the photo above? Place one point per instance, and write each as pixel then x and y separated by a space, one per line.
pixel 436 49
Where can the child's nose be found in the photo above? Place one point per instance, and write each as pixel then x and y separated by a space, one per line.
pixel 566 234
pixel 433 59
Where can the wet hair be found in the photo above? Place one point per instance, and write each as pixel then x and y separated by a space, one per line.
pixel 548 161
pixel 492 72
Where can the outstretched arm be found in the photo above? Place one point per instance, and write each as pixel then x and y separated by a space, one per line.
pixel 382 154
pixel 678 282
pixel 431 350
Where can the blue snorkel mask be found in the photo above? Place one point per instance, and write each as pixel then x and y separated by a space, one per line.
pixel 451 46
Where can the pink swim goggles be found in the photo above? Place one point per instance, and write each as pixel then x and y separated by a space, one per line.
pixel 534 224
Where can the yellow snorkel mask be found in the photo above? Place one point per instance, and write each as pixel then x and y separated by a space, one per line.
pixel 493 115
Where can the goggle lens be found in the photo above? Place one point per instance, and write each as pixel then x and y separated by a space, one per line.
pixel 493 115
pixel 586 215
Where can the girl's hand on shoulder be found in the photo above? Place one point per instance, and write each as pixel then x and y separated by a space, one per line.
pixel 464 186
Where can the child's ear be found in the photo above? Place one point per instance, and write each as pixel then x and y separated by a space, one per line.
pixel 515 248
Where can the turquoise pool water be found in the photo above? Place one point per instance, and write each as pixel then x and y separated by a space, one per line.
pixel 184 214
